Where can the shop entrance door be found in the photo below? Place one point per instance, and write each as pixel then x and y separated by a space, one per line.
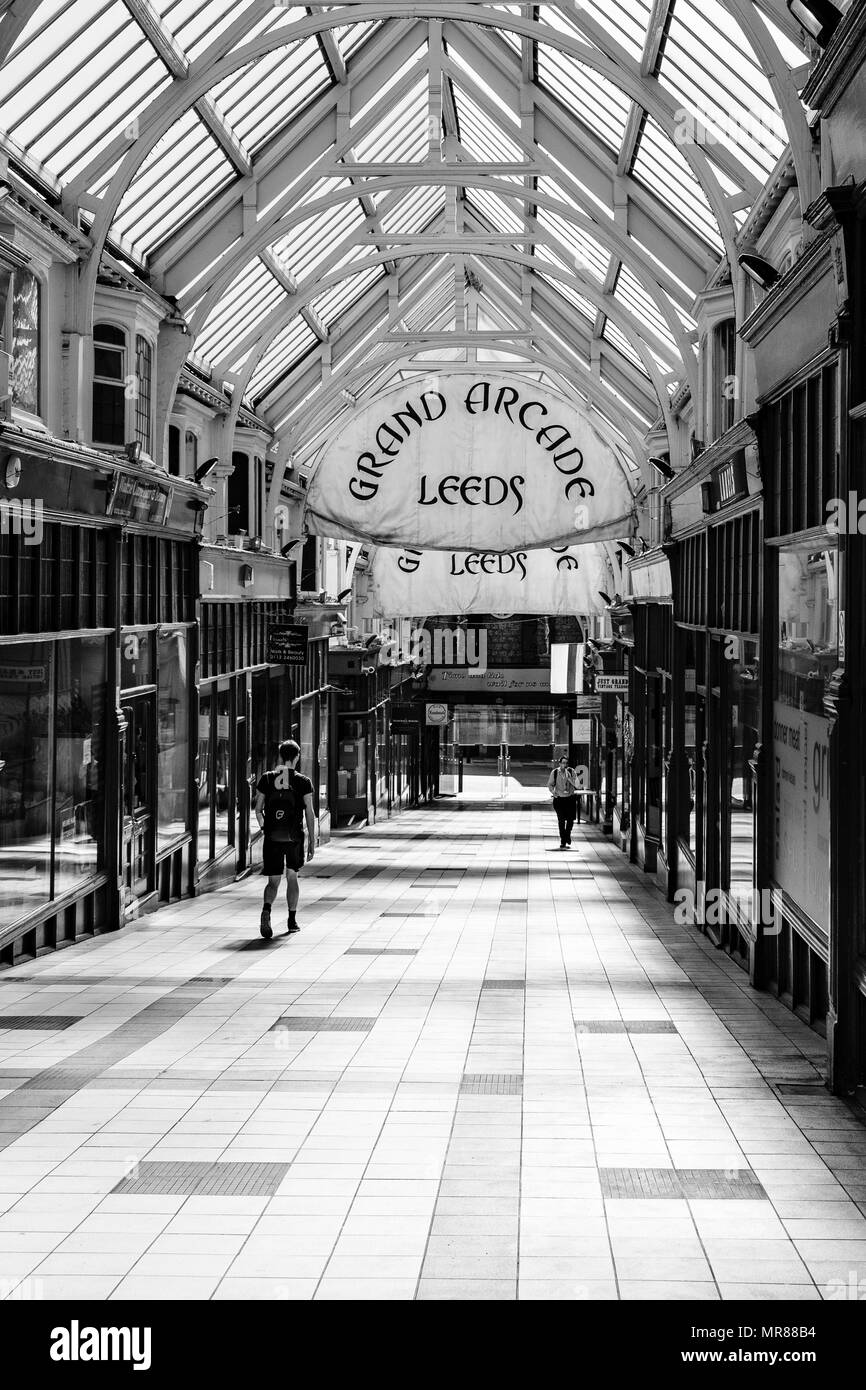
pixel 139 797
pixel 242 787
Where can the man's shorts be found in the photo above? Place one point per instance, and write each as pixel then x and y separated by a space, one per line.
pixel 279 855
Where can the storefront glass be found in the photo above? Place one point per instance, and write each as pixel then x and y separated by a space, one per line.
pixel 807 656
pixel 382 759
pixel 206 704
pixel 352 767
pixel 53 701
pixel 173 722
pixel 693 739
pixel 744 711
pixel 324 752
pixel 79 770
pixel 305 715
pixel 223 818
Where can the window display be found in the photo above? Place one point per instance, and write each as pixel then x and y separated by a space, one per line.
pixel 53 700
pixel 173 719
pixel 808 633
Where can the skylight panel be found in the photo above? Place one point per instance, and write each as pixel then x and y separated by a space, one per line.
pixel 55 100
pixel 306 246
pixel 338 298
pixel 261 98
pixel 626 21
pixel 413 212
pixel 637 300
pixel 285 353
pixel 179 175
pixel 709 66
pixel 401 136
pixel 482 139
pixel 588 95
pixel 563 287
pixel 501 214
pixel 247 301
pixel 589 257
pixel 614 335
pixel 661 167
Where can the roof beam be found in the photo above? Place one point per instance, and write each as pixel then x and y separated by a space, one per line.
pixel 177 63
pixel 285 278
pixel 657 27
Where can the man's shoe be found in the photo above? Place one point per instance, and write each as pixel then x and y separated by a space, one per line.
pixel 265 927
pixel 293 928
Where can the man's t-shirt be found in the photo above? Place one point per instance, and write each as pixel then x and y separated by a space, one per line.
pixel 275 784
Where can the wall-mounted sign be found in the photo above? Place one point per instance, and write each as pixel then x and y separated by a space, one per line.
pixel 728 483
pixel 136 499
pixel 587 704
pixel 581 730
pixel 288 643
pixel 611 685
pixel 560 581
pixel 468 461
pixel 437 715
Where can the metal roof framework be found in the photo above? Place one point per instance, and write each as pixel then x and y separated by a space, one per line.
pixel 340 195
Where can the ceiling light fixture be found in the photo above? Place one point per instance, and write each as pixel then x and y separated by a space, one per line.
pixel 205 469
pixel 662 467
pixel 758 269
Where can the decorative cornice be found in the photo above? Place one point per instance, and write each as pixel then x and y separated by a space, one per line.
pixel 739 436
pixel 46 447
pixel 802 276
pixel 839 63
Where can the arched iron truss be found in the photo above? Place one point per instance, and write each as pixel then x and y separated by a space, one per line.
pixel 333 195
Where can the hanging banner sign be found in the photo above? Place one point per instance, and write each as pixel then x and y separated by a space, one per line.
pixel 468 462
pixel 559 582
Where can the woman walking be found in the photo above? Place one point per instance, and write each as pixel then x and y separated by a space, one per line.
pixel 562 786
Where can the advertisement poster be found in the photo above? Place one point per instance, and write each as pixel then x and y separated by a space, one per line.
pixel 801 809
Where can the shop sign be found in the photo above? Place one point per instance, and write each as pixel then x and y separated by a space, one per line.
pixel 133 499
pixel 587 704
pixel 581 730
pixel 472 462
pixel 801 809
pixel 493 681
pixel 611 685
pixel 288 644
pixel 728 483
pixel 651 580
pixel 561 581
pixel 26 675
pixel 437 715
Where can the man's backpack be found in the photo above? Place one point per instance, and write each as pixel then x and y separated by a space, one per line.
pixel 281 808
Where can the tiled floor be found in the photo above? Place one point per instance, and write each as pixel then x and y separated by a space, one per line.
pixel 530 1084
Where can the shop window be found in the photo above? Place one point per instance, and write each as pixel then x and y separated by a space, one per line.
pixel 725 387
pixel 190 453
pixel 20 336
pixel 310 565
pixel 174 451
pixel 54 703
pixel 808 647
pixel 109 385
pixel 173 728
pixel 205 799
pixel 238 519
pixel 305 715
pixel 142 391
pixel 352 767
pixel 223 817
pixel 743 707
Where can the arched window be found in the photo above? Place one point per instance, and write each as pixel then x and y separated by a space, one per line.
pixel 191 453
pixel 109 384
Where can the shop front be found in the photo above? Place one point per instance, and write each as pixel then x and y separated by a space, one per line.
pixel 96 651
pixel 244 706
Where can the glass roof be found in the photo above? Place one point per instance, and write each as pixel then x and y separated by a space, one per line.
pixel 383 128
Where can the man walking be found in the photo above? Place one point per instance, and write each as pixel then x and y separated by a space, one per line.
pixel 562 785
pixel 285 799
